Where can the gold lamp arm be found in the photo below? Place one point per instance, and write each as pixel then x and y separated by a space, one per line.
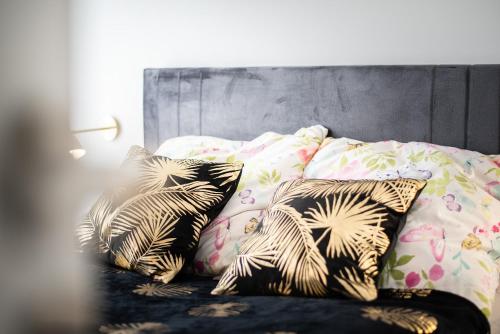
pixel 93 129
pixel 111 129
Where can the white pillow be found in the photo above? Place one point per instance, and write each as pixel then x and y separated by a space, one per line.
pixel 191 146
pixel 452 236
pixel 268 160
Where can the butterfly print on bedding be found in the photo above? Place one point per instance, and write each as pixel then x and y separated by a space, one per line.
pixel 435 235
pixel 406 171
pixel 451 203
pixel 245 197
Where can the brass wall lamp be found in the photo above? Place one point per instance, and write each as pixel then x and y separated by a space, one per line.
pixel 110 129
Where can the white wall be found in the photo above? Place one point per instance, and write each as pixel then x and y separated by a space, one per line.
pixel 114 40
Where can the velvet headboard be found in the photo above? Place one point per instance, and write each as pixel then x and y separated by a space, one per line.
pixel 447 105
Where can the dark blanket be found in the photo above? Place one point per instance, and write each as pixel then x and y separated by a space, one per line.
pixel 134 304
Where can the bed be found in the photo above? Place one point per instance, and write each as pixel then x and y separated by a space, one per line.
pixel 447 105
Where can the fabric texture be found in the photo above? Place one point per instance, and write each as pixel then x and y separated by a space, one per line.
pixel 151 221
pixel 322 238
pixel 131 303
pixel 192 146
pixel 269 160
pixel 451 240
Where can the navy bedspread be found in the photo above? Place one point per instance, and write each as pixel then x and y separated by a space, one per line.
pixel 130 303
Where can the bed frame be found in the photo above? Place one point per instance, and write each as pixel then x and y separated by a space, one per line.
pixel 447 105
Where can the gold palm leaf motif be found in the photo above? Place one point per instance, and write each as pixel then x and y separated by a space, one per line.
pixel 97 218
pixel 139 224
pixel 199 222
pixel 286 192
pixel 145 242
pixel 299 258
pixel 191 198
pixel 85 231
pixel 155 172
pixel 368 260
pixel 283 288
pixel 163 290
pixel 412 320
pixel 409 293
pixel 351 224
pixel 227 283
pixel 255 253
pixel 169 266
pixel 355 286
pixel 135 328
pixel 218 310
pixel 397 194
pixel 310 224
pixel 229 172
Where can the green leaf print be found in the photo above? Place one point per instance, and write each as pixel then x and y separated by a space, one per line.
pixel 343 161
pixel 404 260
pixel 269 179
pixel 397 275
pixel 495 170
pixel 299 166
pixel 391 271
pixel 439 158
pixel 416 157
pixel 307 140
pixel 482 297
pixel 484 266
pixel 465 183
pixel 485 300
pixel 380 161
pixel 486 311
pixel 438 186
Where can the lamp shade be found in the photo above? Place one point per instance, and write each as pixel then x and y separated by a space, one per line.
pixel 76 149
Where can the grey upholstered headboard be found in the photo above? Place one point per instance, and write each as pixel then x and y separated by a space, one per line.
pixel 448 105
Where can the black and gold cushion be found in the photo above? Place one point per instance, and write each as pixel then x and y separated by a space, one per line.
pixel 322 238
pixel 151 223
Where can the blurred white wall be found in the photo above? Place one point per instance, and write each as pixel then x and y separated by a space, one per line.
pixel 112 41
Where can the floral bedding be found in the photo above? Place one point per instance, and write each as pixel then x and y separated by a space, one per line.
pixel 451 240
pixel 269 160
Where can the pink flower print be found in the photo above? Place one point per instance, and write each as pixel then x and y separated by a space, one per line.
pixel 199 267
pixel 209 150
pixel 306 154
pixel 496 228
pixel 496 161
pixel 412 279
pixel 481 231
pixel 220 237
pixel 213 259
pixel 422 201
pixel 436 272
pixel 493 188
pixel 435 235
pixel 254 150
pixel 245 197
pixel 353 170
pixel 220 221
pixel 218 229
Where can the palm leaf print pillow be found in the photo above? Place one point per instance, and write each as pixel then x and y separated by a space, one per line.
pixel 322 238
pixel 152 222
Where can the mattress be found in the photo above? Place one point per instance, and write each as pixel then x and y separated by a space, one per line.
pixel 131 303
